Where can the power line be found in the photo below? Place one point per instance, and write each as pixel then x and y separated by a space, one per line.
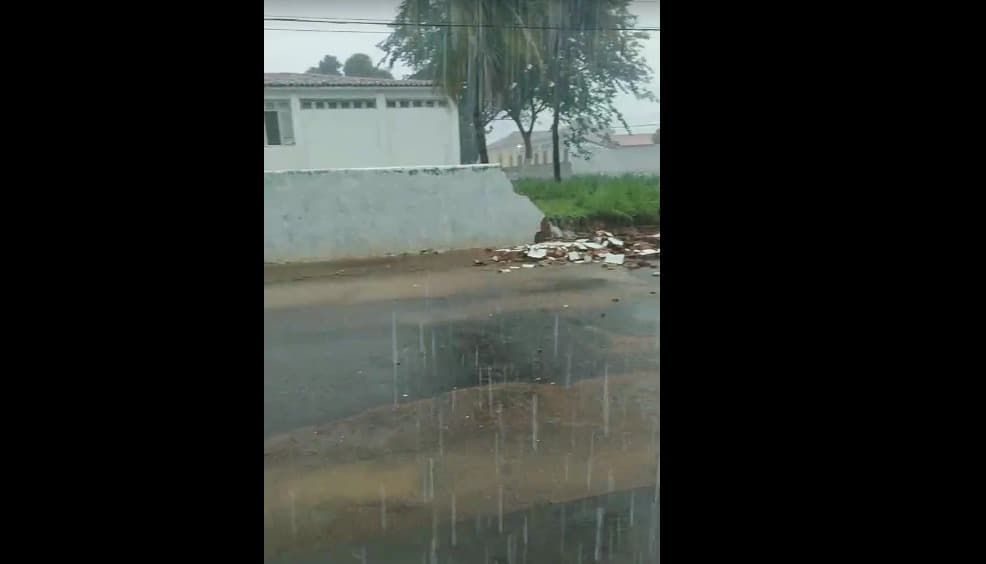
pixel 435 24
pixel 326 30
pixel 328 18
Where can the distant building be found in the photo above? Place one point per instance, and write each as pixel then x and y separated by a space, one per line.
pixel 634 140
pixel 319 121
pixel 509 151
pixel 617 154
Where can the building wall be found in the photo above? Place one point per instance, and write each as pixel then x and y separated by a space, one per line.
pixel 645 159
pixel 365 137
pixel 543 171
pixel 314 215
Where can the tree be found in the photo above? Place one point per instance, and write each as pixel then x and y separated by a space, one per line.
pixel 328 65
pixel 657 136
pixel 360 64
pixel 524 66
pixel 460 43
pixel 595 54
pixel 521 57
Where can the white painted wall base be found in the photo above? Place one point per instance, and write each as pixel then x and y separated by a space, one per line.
pixel 312 215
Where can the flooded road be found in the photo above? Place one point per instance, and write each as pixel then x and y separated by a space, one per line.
pixel 396 405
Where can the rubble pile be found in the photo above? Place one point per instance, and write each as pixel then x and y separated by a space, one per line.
pixel 629 251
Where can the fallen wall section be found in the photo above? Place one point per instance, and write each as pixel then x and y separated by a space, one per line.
pixel 312 215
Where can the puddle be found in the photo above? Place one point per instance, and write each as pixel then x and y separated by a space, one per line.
pixel 318 370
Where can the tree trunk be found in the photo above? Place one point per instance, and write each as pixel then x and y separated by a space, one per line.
pixel 556 165
pixel 527 145
pixel 480 127
pixel 467 141
pixel 555 105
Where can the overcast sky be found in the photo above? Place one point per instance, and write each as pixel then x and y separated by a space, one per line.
pixel 295 51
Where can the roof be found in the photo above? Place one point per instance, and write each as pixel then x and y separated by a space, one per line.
pixel 293 79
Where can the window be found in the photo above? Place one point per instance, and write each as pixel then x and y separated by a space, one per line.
pixel 344 104
pixel 332 105
pixel 278 127
pixel 371 103
pixel 411 103
pixel 271 128
pixel 320 105
pixel 536 155
pixel 306 104
pixel 357 104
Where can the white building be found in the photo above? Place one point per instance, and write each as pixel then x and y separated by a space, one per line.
pixel 509 151
pixel 619 154
pixel 318 121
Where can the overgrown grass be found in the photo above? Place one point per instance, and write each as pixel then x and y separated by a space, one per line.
pixel 618 200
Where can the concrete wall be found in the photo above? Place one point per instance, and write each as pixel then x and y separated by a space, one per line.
pixel 645 159
pixel 365 137
pixel 348 213
pixel 538 171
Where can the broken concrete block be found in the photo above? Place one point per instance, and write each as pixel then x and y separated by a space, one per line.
pixel 615 242
pixel 614 259
pixel 528 265
pixel 574 256
pixel 537 253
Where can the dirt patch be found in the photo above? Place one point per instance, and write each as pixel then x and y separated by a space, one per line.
pixel 378 266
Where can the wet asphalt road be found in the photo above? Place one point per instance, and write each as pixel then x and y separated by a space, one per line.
pixel 325 361
pixel 329 350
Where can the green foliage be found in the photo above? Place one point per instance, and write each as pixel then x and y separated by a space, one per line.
pixel 619 200
pixel 657 136
pixel 360 64
pixel 521 58
pixel 328 65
